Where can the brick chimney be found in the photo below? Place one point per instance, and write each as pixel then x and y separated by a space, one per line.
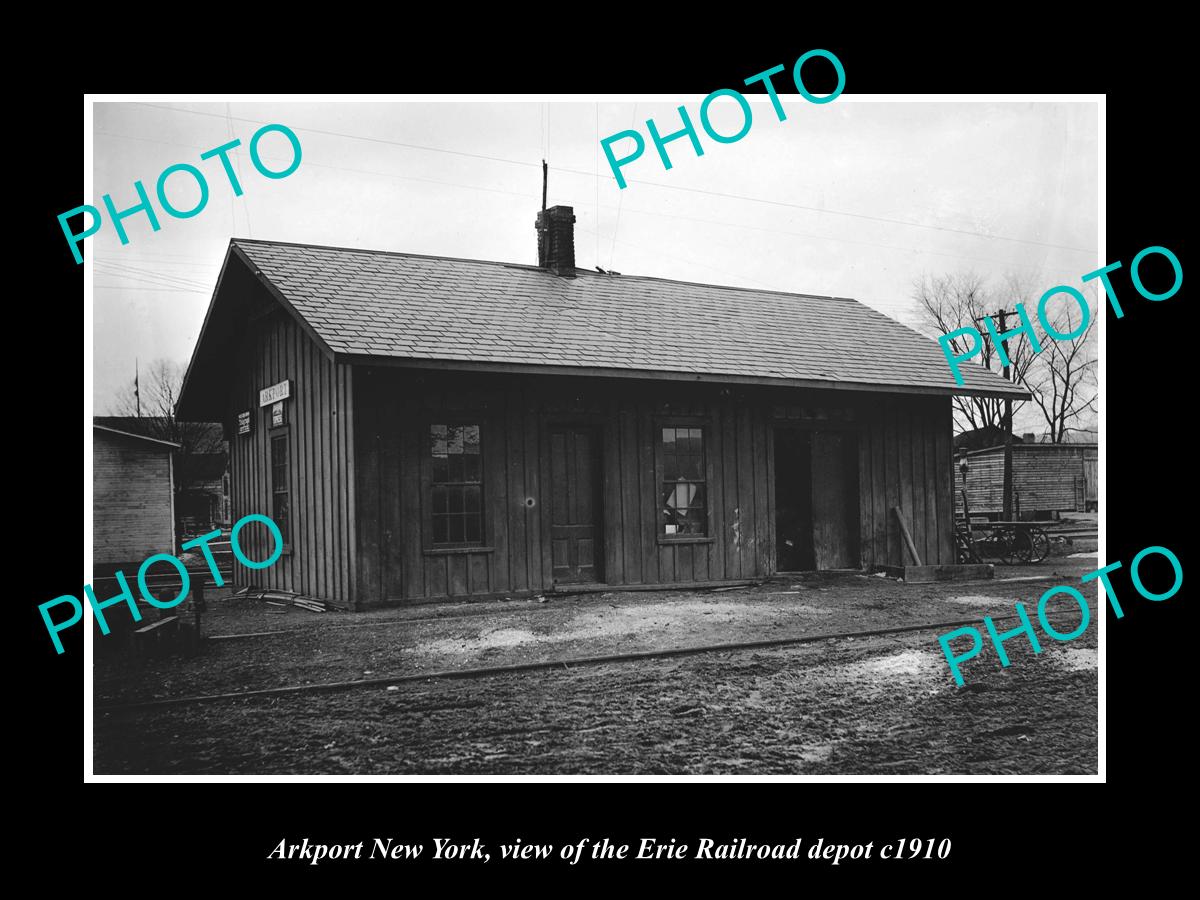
pixel 556 240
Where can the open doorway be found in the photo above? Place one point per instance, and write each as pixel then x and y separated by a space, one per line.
pixel 793 501
pixel 816 500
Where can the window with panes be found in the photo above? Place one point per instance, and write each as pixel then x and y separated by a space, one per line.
pixel 280 507
pixel 456 485
pixel 684 488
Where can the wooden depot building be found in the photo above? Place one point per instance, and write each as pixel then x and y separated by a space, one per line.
pixel 424 428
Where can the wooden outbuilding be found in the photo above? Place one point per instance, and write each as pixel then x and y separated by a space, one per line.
pixel 133 498
pixel 1047 478
pixel 424 428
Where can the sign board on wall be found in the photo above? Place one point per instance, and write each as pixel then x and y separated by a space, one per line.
pixel 274 393
pixel 244 422
pixel 277 414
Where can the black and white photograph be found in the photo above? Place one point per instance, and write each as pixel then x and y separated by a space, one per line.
pixel 578 436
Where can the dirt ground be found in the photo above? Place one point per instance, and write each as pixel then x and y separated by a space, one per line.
pixel 882 704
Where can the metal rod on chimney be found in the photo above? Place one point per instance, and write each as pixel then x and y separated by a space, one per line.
pixel 545 178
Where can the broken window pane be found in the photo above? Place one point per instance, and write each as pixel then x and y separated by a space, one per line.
pixel 684 503
pixel 437 440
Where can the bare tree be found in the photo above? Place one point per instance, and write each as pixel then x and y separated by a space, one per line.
pixel 152 401
pixel 1064 381
pixel 1061 378
pixel 962 300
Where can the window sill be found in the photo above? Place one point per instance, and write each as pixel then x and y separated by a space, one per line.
pixel 449 551
pixel 686 539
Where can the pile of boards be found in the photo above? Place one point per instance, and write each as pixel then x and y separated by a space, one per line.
pixel 287 598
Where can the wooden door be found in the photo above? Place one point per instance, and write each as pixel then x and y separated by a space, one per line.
pixel 575 520
pixel 835 500
pixel 1090 490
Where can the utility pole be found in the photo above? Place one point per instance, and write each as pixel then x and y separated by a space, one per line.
pixel 1008 472
pixel 1006 422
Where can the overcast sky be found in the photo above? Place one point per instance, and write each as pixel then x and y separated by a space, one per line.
pixel 863 198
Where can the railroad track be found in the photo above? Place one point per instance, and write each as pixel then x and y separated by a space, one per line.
pixel 491 671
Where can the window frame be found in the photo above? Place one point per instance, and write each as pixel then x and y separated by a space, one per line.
pixel 429 546
pixel 707 429
pixel 273 434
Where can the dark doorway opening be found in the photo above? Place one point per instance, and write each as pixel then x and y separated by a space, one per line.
pixel 835 499
pixel 575 523
pixel 816 500
pixel 793 501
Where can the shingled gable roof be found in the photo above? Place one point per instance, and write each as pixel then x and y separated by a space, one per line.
pixel 460 313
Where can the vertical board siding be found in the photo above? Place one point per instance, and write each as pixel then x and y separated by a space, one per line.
pixel 713 454
pixel 495 469
pixel 404 532
pixel 394 481
pixel 344 420
pixel 321 457
pixel 904 432
pixel 943 440
pixel 649 494
pixel 745 537
pixel 610 497
pixel 904 459
pixel 866 504
pixel 627 475
pixel 533 517
pixel 366 440
pixel 877 425
pixel 730 534
pixel 515 478
pixel 891 484
pixel 929 470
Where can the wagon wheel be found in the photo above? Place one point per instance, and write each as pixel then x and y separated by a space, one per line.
pixel 990 545
pixel 961 549
pixel 995 544
pixel 966 549
pixel 1020 546
pixel 1002 545
pixel 1039 545
pixel 973 553
pixel 1007 544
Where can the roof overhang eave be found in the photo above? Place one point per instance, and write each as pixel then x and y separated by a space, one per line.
pixel 497 367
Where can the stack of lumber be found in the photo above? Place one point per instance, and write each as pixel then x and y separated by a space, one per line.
pixel 287 598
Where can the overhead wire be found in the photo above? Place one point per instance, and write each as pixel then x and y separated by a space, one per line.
pixel 162 290
pixel 596 161
pixel 150 282
pixel 532 195
pixel 237 158
pixel 612 250
pixel 692 262
pixel 117 267
pixel 671 187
